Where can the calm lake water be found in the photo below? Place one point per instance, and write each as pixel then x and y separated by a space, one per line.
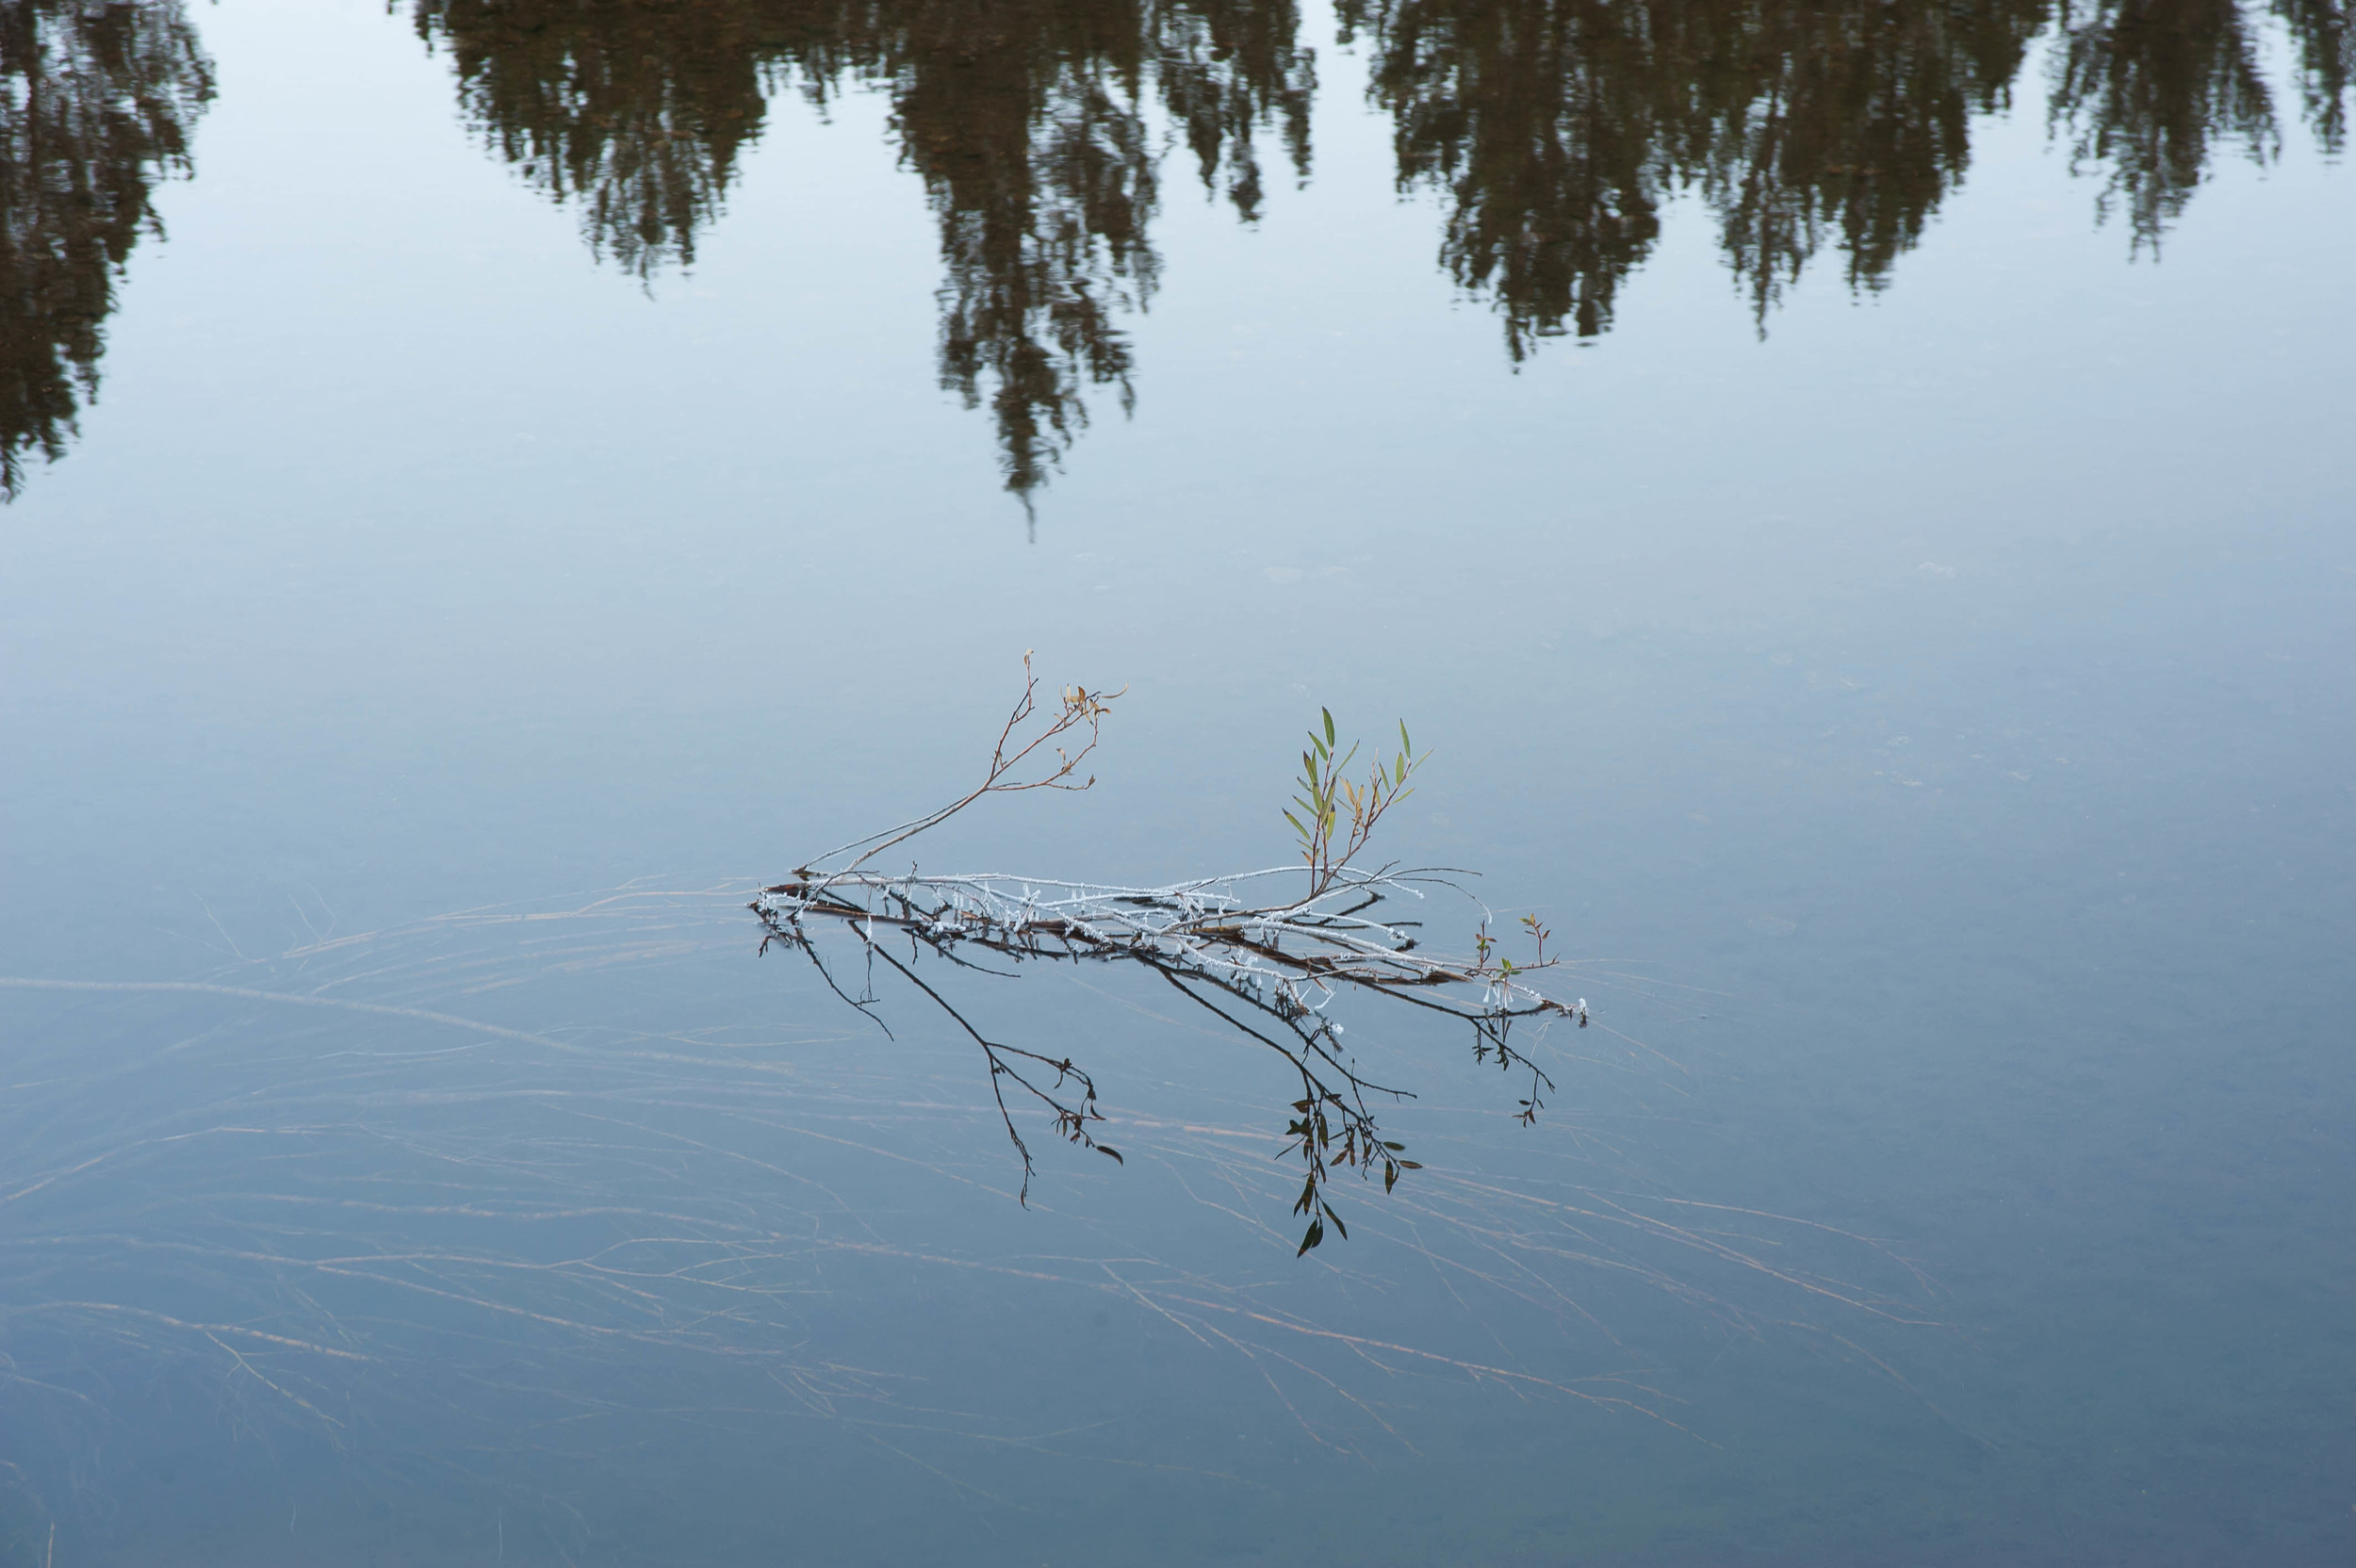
pixel 1855 497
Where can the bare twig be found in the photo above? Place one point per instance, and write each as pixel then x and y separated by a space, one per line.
pixel 1076 706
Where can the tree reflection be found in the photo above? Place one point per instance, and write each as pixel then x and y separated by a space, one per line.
pixel 96 104
pixel 2326 45
pixel 1027 122
pixel 1557 131
pixel 1024 122
pixel 635 108
pixel 2148 87
pixel 1850 122
pixel 1545 123
pixel 2150 90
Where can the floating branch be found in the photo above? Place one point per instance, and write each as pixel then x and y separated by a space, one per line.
pixel 1268 965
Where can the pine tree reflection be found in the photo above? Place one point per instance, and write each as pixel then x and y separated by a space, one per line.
pixel 1557 131
pixel 2326 42
pixel 1560 128
pixel 1023 119
pixel 2148 87
pixel 1226 68
pixel 636 108
pixel 96 104
pixel 1026 121
pixel 1849 122
pixel 1545 122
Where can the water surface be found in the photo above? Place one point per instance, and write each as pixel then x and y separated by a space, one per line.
pixel 1850 497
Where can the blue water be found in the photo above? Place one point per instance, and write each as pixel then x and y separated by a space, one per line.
pixel 1926 723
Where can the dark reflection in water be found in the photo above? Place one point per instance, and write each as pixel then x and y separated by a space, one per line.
pixel 637 111
pixel 2146 87
pixel 1028 122
pixel 1556 131
pixel 96 104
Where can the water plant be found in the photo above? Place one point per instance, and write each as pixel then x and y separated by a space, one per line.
pixel 1267 951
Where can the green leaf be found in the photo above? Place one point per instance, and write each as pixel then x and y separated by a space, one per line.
pixel 1410 1165
pixel 1109 1149
pixel 1329 724
pixel 1317 1233
pixel 1338 1226
pixel 1406 746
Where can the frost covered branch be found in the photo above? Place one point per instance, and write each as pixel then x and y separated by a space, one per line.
pixel 1269 965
